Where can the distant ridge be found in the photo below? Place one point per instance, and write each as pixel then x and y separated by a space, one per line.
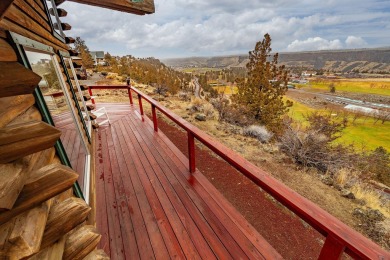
pixel 367 60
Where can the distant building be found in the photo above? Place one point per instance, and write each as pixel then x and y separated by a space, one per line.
pixel 98 58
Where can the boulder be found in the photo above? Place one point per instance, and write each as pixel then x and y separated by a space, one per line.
pixel 200 117
pixel 347 194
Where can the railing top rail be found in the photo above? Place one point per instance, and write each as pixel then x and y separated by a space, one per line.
pixel 356 244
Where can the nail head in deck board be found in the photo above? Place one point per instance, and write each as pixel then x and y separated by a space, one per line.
pixel 15 79
pixel 63 218
pixel 17 141
pixel 144 7
pixel 81 242
pixel 42 185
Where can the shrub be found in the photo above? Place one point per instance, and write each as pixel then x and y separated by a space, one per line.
pixel 186 96
pixel 208 110
pixel 258 132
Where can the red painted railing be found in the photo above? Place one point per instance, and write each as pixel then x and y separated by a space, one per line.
pixel 339 237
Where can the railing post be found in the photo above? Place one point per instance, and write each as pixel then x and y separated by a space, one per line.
pixel 191 152
pixel 90 93
pixel 332 249
pixel 130 96
pixel 141 110
pixel 154 118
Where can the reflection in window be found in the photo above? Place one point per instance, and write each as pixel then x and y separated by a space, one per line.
pixel 55 20
pixel 58 100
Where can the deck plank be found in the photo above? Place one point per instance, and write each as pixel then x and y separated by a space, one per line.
pixel 186 196
pixel 162 210
pixel 116 243
pixel 175 217
pixel 101 209
pixel 131 250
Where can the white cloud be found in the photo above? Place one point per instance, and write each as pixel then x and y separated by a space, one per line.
pixel 316 43
pixel 219 27
pixel 355 42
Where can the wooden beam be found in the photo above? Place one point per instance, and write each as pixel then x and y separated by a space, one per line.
pixel 15 79
pixel 140 8
pixel 12 179
pixel 54 252
pixel 23 139
pixel 81 242
pixel 4 5
pixel 12 107
pixel 63 218
pixel 7 53
pixel 97 254
pixel 25 238
pixel 64 26
pixel 73 52
pixel 43 184
pixel 69 40
pixel 58 2
pixel 60 12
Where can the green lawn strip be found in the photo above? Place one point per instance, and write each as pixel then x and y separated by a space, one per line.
pixel 349 86
pixel 363 133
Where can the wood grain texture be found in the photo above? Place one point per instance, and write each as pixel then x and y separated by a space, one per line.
pixel 31 12
pixel 27 138
pixel 63 218
pixel 4 5
pixel 15 79
pixel 54 252
pixel 12 107
pixel 25 238
pixel 7 53
pixel 32 114
pixel 81 242
pixel 43 184
pixel 48 39
pixel 12 179
pixel 97 254
pixel 144 7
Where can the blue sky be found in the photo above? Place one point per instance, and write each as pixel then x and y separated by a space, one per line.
pixel 184 28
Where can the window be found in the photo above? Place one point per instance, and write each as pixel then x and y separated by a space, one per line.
pixel 55 103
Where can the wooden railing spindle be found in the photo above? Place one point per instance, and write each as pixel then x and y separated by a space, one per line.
pixel 154 114
pixel 332 249
pixel 141 110
pixel 130 96
pixel 191 151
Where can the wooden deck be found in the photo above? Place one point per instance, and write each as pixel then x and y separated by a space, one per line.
pixel 149 206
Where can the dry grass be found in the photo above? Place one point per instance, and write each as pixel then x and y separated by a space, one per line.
pixel 372 198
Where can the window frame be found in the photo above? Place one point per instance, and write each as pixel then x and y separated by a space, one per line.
pixel 20 42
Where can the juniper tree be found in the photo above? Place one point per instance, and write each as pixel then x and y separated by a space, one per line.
pixel 262 93
pixel 84 53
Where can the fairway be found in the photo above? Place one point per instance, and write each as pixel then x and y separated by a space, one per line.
pixel 363 133
pixel 365 86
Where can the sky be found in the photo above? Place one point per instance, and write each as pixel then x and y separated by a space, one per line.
pixel 188 28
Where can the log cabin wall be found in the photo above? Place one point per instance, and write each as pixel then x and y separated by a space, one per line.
pixel 39 215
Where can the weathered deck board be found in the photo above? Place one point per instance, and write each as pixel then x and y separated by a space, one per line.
pixel 150 206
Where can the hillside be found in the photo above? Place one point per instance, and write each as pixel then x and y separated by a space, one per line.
pixel 358 60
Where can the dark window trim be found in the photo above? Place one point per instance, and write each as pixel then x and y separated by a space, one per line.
pixel 18 41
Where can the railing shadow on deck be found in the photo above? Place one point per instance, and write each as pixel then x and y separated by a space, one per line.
pixel 340 238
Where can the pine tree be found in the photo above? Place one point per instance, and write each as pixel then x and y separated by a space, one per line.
pixel 84 53
pixel 262 93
